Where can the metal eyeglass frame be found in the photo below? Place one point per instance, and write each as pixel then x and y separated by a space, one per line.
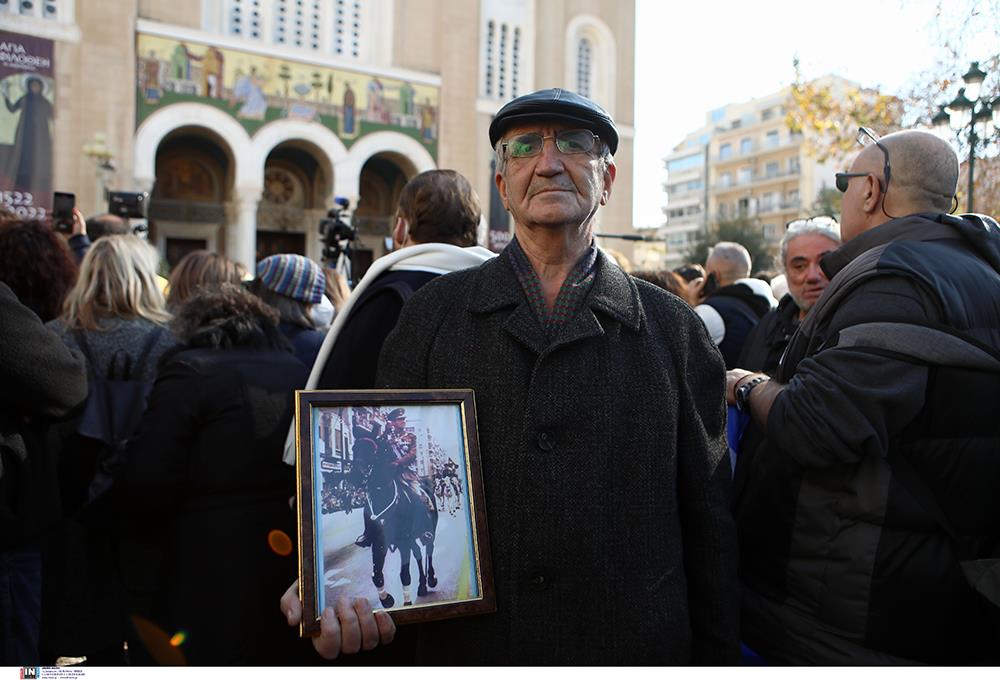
pixel 595 139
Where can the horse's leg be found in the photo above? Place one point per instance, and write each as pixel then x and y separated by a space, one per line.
pixel 404 573
pixel 419 559
pixel 378 565
pixel 429 552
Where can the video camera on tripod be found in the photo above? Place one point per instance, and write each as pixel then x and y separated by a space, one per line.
pixel 337 235
pixel 130 204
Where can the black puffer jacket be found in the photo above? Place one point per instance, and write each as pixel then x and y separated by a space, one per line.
pixel 768 339
pixel 840 563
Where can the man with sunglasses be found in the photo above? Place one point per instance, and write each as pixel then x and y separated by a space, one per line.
pixel 876 488
pixel 601 421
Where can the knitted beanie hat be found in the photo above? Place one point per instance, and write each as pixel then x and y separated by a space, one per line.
pixel 293 276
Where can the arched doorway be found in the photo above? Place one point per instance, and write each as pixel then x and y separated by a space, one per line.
pixel 297 184
pixel 382 179
pixel 194 177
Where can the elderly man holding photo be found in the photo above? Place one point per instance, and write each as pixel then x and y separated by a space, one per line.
pixel 601 420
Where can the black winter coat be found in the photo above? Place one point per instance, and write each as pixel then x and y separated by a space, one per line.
pixel 841 561
pixel 205 490
pixel 605 469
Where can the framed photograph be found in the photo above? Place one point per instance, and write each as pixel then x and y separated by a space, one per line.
pixel 390 504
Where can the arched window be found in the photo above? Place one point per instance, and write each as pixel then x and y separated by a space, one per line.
pixel 584 54
pixel 590 60
pixel 502 59
pixel 515 58
pixel 506 37
pixel 491 30
pixel 243 18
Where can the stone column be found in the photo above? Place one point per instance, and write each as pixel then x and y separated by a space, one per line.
pixel 241 236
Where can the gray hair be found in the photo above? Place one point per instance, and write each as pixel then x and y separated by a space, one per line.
pixel 604 155
pixel 735 259
pixel 828 227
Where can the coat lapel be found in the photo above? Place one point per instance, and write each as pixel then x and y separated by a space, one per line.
pixel 613 293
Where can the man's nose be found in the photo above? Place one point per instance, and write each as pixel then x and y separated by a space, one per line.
pixel 814 272
pixel 550 160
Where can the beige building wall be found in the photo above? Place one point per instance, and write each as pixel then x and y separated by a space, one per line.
pixel 95 65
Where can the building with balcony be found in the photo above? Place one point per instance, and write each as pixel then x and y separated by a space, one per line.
pixel 243 119
pixel 754 168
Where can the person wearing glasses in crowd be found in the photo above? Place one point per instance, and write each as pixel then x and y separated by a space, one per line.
pixel 601 422
pixel 880 471
pixel 805 242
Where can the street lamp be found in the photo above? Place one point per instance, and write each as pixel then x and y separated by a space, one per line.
pixel 966 110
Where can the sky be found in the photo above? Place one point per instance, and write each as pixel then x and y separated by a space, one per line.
pixel 695 56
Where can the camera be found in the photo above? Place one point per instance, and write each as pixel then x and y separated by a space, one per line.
pixel 336 233
pixel 128 204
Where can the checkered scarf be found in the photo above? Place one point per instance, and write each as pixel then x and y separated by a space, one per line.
pixel 574 289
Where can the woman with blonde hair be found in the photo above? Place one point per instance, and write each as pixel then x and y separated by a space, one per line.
pixel 115 315
pixel 201 268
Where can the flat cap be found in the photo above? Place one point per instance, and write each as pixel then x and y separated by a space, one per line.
pixel 555 104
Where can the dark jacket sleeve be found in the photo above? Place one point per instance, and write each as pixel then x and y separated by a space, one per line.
pixel 704 482
pixel 41 377
pixel 848 402
pixel 79 244
pixel 354 360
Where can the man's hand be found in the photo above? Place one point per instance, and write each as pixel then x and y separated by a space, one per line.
pixel 79 224
pixel 346 628
pixel 733 380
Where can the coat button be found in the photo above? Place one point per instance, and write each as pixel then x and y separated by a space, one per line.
pixel 546 441
pixel 538 581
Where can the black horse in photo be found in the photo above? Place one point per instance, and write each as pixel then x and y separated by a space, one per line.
pixel 399 516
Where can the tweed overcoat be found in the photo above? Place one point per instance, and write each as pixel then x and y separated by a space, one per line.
pixel 605 469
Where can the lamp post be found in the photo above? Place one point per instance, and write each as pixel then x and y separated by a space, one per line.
pixel 966 110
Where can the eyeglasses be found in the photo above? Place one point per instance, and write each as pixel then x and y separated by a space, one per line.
pixel 818 220
pixel 866 137
pixel 567 142
pixel 842 178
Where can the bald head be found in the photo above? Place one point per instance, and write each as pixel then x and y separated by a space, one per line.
pixel 924 171
pixel 729 261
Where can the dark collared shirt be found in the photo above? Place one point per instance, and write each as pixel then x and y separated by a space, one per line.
pixel 574 289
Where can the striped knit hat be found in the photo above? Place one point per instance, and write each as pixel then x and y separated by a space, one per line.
pixel 293 276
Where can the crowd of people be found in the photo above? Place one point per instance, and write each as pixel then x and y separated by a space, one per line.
pixel 673 461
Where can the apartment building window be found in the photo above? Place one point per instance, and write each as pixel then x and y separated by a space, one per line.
pixel 767 201
pixel 743 207
pixel 692 210
pixel 676 212
pixel 793 165
pixel 745 175
pixel 792 198
pixel 584 55
pixel 772 169
pixel 725 151
pixel 771 140
pixel 767 114
pixel 723 211
pixel 770 232
pixel 726 179
pixel 695 185
pixel 746 145
pixel 685 163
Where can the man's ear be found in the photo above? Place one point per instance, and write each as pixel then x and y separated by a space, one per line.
pixel 609 180
pixel 873 194
pixel 400 232
pixel 502 188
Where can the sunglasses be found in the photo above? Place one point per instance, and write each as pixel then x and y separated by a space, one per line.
pixel 567 142
pixel 819 220
pixel 866 137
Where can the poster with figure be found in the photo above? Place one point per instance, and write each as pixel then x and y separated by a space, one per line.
pixel 256 88
pixel 26 124
pixel 392 506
